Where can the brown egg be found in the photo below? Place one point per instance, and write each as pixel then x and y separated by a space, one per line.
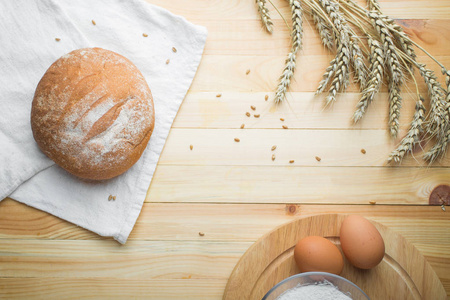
pixel 315 253
pixel 361 242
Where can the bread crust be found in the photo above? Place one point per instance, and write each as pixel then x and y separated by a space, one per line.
pixel 93 113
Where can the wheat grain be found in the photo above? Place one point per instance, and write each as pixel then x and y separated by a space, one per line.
pixel 265 16
pixel 296 36
pixel 413 135
pixel 324 29
pixel 437 121
pixel 376 72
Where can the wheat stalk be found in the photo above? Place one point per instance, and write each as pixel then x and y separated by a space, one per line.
pixel 265 15
pixel 324 29
pixel 296 35
pixel 376 72
pixel 442 143
pixel 413 135
pixel 437 121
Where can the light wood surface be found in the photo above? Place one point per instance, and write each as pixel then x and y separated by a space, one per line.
pixel 233 192
pixel 271 259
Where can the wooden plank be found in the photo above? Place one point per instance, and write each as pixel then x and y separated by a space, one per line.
pixel 247 37
pixel 227 73
pixel 107 258
pixel 199 10
pixel 304 111
pixel 268 184
pixel 102 288
pixel 334 147
pixel 225 222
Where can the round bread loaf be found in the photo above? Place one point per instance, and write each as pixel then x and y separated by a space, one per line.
pixel 93 113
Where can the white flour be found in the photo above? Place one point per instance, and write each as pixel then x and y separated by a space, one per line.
pixel 322 291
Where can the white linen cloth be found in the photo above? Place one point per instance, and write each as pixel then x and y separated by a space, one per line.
pixel 28 47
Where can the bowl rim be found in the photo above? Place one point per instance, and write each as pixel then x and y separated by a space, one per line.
pixel 309 274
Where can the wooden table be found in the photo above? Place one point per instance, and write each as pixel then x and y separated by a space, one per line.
pixel 233 192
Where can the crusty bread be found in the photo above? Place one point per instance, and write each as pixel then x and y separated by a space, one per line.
pixel 93 113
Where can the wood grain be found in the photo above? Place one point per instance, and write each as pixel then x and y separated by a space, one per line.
pixel 34 243
pixel 233 192
pixel 246 37
pixel 267 184
pixel 227 73
pixel 232 10
pixel 304 111
pixel 334 147
pixel 110 288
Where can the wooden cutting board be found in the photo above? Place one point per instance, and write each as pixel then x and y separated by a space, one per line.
pixel 403 274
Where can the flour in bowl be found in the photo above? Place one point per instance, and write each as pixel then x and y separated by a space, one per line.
pixel 321 291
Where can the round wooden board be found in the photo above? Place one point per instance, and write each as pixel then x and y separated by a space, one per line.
pixel 403 274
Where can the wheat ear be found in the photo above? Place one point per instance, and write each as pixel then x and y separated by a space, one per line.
pixel 265 15
pixel 327 76
pixel 395 104
pixel 394 67
pixel 340 65
pixel 324 29
pixel 413 135
pixel 374 5
pixel 296 35
pixel 442 143
pixel 396 30
pixel 401 37
pixel 357 59
pixel 376 72
pixel 437 123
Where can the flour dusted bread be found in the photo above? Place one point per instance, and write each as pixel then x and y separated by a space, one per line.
pixel 93 113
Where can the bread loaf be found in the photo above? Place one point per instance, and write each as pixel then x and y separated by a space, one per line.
pixel 93 113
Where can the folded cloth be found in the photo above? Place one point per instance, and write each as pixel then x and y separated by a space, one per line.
pixel 33 34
